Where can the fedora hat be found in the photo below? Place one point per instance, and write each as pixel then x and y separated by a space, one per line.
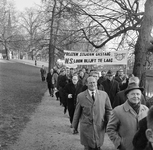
pixel 133 86
pixel 110 73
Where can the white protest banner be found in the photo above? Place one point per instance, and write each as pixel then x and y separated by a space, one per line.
pixel 93 58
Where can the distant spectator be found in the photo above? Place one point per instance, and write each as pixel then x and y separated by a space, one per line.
pixel 43 72
pixel 49 80
pixel 35 62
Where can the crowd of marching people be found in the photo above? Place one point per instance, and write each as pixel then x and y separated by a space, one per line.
pixel 104 102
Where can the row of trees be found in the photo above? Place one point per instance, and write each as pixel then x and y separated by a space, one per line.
pixel 85 25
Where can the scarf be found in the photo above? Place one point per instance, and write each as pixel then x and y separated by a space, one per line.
pixel 136 107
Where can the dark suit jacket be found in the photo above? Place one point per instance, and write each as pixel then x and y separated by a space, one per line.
pixel 49 79
pixel 111 88
pixel 71 89
pixel 122 86
pixel 140 140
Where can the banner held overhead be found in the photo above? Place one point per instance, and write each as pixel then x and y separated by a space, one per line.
pixel 93 58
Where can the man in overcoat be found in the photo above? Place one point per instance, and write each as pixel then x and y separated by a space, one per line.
pixel 43 72
pixel 49 80
pixel 111 87
pixel 120 97
pixel 120 78
pixel 72 89
pixel 93 110
pixel 123 123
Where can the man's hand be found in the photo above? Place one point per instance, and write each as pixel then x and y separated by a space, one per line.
pixel 69 95
pixel 75 131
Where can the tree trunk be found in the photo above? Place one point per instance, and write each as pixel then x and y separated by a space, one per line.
pixel 51 46
pixel 7 51
pixel 143 42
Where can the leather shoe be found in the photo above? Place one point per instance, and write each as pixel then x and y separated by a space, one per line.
pixel 75 132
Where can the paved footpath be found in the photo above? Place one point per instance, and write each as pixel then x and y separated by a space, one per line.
pixel 49 128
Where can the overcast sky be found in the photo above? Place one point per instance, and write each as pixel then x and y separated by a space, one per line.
pixel 22 4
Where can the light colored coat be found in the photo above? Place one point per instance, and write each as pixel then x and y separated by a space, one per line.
pixel 123 124
pixel 93 117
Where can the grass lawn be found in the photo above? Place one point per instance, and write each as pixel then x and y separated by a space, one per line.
pixel 21 90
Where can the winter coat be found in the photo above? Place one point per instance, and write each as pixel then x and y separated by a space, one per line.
pixel 71 89
pixel 111 88
pixel 119 80
pixel 123 125
pixel 101 79
pixel 93 116
pixel 55 77
pixel 49 79
pixel 62 81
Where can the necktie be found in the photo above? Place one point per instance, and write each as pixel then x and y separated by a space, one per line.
pixel 93 96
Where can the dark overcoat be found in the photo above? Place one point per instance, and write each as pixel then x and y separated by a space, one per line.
pixel 111 88
pixel 49 80
pixel 140 139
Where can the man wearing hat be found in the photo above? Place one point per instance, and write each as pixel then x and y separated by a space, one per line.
pixel 124 119
pixel 62 82
pixel 111 87
pixel 120 97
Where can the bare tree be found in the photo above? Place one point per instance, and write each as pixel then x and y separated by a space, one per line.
pixel 30 23
pixel 120 21
pixel 7 26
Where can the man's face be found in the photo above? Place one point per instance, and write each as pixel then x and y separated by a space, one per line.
pixel 82 74
pixel 51 70
pixel 92 83
pixel 95 75
pixel 103 73
pixel 110 77
pixel 134 96
pixel 75 80
pixel 120 73
pixel 71 71
pixel 64 73
pixel 84 70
